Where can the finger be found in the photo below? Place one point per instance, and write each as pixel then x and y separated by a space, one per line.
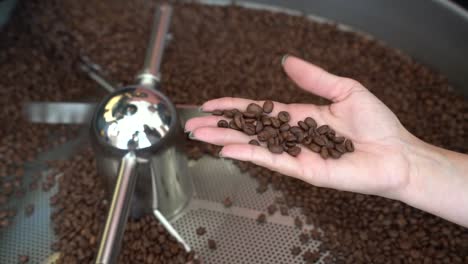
pixel 282 163
pixel 239 103
pixel 219 136
pixel 202 121
pixel 318 81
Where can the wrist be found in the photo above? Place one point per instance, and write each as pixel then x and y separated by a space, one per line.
pixel 437 182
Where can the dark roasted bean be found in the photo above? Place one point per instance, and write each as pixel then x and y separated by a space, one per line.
pixel 320 140
pixel 324 153
pixel 218 112
pixel 283 116
pixel 323 129
pixel 275 122
pixel 294 151
pixel 258 127
pixel 255 108
pixel 303 125
pixel 314 147
pixel 239 120
pixel 277 149
pixel 223 123
pixel 334 153
pixel 268 106
pixel 254 142
pixel 338 140
pixel 284 127
pixel 310 122
pixel 340 147
pixel 349 145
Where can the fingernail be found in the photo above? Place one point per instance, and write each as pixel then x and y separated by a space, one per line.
pixel 191 135
pixel 284 59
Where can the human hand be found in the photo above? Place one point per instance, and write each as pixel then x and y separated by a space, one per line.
pixel 379 165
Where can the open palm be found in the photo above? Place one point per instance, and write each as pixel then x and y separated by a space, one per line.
pixel 379 163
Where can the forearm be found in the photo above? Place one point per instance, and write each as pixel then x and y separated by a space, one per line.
pixel 438 182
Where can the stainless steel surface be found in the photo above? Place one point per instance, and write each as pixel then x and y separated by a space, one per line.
pixel 150 75
pixel 111 241
pixel 59 112
pixel 133 118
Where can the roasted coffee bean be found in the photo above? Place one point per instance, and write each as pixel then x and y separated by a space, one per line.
pixel 201 231
pixel 272 209
pixel 29 210
pixel 283 116
pixel 290 144
pixel 255 108
pixel 291 138
pixel 249 129
pixel 233 125
pixel 304 238
pixel 263 136
pixel 239 120
pixel 295 130
pixel 324 153
pixel 254 142
pixel 334 153
pixel 307 140
pixel 23 259
pixel 298 222
pixel 271 141
pixel 320 140
pixel 273 132
pixel 250 115
pixel 223 123
pixel 312 132
pixel 294 151
pixel 285 147
pixel 212 244
pixel 300 136
pixel 275 122
pixel 349 145
pixel 303 125
pixel 217 112
pixel 227 202
pixel 310 123
pixel 229 113
pixel 331 134
pixel 258 127
pixel 261 218
pixel 266 121
pixel 323 129
pixel 295 251
pixel 330 144
pixel 277 149
pixel 340 147
pixel 284 127
pixel 262 188
pixel 284 210
pixel 251 121
pixel 338 140
pixel 268 106
pixel 314 147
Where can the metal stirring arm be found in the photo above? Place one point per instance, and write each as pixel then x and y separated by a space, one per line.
pixel 111 240
pixel 150 76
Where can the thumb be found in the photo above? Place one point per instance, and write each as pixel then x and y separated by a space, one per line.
pixel 318 81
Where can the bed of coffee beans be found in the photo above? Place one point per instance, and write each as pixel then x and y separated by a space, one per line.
pixel 278 134
pixel 219 51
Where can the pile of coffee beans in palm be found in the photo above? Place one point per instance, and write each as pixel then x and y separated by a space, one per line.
pixel 280 136
pixel 219 51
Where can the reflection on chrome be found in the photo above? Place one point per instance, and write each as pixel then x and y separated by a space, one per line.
pixel 134 119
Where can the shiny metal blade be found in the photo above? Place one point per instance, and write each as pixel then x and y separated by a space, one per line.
pixel 59 112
